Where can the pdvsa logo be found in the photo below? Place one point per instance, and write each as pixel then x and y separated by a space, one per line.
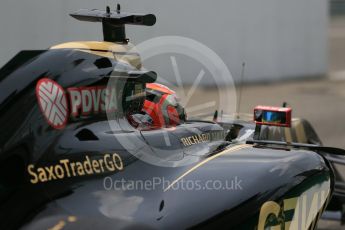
pixel 57 105
pixel 52 101
pixel 92 100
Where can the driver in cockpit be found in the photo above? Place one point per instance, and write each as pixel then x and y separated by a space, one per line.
pixel 161 108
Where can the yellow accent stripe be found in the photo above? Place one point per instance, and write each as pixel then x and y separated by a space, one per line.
pixel 94 45
pixel 267 209
pixel 99 53
pixel 60 225
pixel 121 52
pixel 232 149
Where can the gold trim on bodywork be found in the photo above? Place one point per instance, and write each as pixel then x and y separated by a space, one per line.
pixel 267 209
pixel 232 149
pixel 125 53
pixel 94 45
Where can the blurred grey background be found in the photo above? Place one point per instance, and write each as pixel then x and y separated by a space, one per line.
pixel 277 39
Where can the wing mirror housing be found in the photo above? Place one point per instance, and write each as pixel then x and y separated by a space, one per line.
pixel 272 116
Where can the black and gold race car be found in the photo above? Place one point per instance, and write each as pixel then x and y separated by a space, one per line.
pixel 72 156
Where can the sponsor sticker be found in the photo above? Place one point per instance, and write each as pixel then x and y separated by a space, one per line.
pixel 66 168
pixel 300 212
pixel 87 100
pixel 203 138
pixel 57 105
pixel 52 101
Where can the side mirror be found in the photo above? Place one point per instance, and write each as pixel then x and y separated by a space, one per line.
pixel 273 116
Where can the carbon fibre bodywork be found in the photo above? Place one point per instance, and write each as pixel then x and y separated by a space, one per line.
pixel 42 187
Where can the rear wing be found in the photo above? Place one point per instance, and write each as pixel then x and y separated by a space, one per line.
pixel 114 22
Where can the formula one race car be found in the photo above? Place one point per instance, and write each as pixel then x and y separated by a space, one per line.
pixel 89 141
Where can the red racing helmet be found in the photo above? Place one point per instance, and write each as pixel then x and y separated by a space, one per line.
pixel 163 106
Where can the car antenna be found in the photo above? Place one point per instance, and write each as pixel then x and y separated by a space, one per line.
pixel 113 22
pixel 215 116
pixel 238 106
pixel 118 8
